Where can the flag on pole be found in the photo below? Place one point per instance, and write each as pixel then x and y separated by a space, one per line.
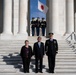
pixel 43 8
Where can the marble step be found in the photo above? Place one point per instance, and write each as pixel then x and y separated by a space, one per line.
pixel 17 51
pixel 66 52
pixel 58 56
pixel 18 46
pixel 5 44
pixel 10 62
pixel 44 70
pixel 65 70
pixel 10 59
pixel 17 62
pixel 56 71
pixel 17 54
pixel 19 59
pixel 66 60
pixel 58 59
pixel 29 42
pixel 61 69
pixel 21 73
pixel 35 39
pixel 19 66
pixel 65 67
pixel 7 71
pixel 9 66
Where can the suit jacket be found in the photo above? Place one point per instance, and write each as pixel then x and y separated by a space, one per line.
pixel 24 54
pixel 51 47
pixel 38 52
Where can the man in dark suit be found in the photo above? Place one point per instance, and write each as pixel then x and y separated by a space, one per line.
pixel 38 26
pixel 38 51
pixel 26 54
pixel 43 26
pixel 33 25
pixel 51 48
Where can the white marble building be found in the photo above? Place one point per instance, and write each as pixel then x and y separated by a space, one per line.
pixel 14 18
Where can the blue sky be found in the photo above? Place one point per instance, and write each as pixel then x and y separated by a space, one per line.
pixel 34 12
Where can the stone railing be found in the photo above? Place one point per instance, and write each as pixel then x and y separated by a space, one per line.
pixel 71 40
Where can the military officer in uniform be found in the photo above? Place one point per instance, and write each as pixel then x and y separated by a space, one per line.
pixel 38 26
pixel 43 26
pixel 51 48
pixel 33 25
pixel 38 51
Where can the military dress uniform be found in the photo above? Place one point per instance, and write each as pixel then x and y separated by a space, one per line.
pixel 43 26
pixel 33 25
pixel 37 27
pixel 51 47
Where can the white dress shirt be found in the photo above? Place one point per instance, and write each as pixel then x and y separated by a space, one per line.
pixel 39 43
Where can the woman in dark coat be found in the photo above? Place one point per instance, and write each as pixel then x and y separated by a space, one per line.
pixel 26 54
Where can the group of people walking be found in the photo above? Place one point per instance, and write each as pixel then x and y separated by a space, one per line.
pixel 38 24
pixel 39 50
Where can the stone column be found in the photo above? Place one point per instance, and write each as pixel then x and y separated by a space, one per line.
pixel 23 16
pixel 7 29
pixel 62 16
pixel 23 21
pixel 69 16
pixel 15 16
pixel 7 24
pixel 75 21
pixel 53 16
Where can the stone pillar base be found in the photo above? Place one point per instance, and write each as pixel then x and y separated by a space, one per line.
pixel 13 37
pixel 21 37
pixel 58 37
pixel 6 36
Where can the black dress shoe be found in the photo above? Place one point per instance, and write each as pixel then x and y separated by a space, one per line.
pixel 51 72
pixel 41 72
pixel 27 71
pixel 36 72
pixel 24 72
